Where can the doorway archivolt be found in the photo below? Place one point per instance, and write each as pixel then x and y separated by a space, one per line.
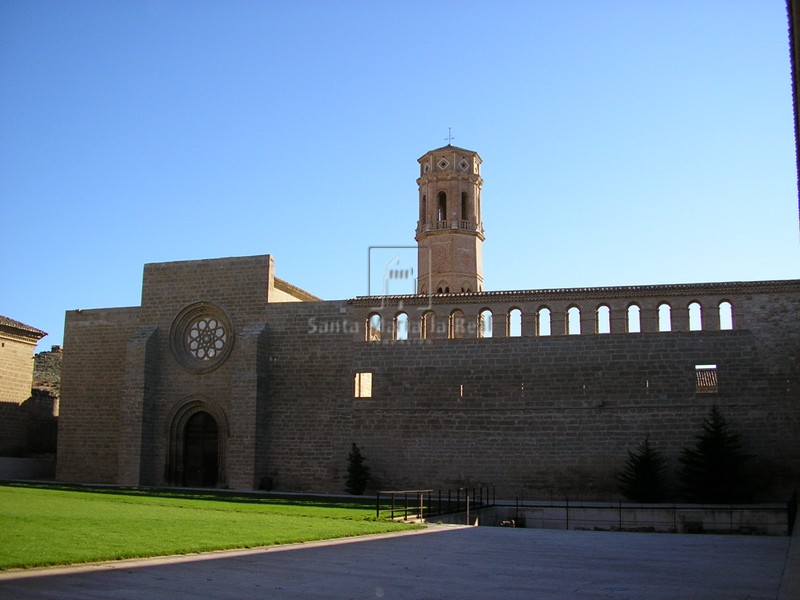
pixel 198 440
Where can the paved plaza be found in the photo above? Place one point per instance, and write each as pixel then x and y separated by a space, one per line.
pixel 483 563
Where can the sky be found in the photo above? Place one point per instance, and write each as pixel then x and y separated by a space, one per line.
pixel 623 142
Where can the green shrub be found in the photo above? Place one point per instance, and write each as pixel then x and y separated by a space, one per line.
pixel 642 478
pixel 357 472
pixel 713 471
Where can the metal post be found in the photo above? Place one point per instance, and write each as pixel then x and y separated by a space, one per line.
pixel 378 505
pixel 405 506
pixel 467 508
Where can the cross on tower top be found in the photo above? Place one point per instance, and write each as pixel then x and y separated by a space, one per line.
pixel 449 137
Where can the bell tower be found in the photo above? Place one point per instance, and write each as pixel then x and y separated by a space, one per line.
pixel 449 231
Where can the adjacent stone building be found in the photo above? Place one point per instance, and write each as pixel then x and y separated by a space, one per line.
pixel 17 345
pixel 25 416
pixel 227 376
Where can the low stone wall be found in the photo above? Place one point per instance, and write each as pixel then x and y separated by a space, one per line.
pixel 27 468
pixel 762 519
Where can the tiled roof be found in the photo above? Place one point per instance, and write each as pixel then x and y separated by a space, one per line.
pixel 22 327
pixel 451 147
pixel 293 289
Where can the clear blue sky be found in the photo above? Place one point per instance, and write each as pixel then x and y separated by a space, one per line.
pixel 624 142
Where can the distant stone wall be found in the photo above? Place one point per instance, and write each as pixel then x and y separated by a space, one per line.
pixel 47 370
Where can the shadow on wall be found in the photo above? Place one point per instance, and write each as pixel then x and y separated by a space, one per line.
pixel 30 429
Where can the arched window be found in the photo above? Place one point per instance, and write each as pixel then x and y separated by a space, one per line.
pixel 485 323
pixel 634 319
pixel 441 207
pixel 514 322
pixel 458 325
pixel 664 317
pixel 603 320
pixel 428 322
pixel 543 321
pixel 374 328
pixel 573 320
pixel 695 317
pixel 464 206
pixel 725 315
pixel 423 209
pixel 401 326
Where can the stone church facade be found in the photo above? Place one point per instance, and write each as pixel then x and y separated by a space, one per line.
pixel 227 376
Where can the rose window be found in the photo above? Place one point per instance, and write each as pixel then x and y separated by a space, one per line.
pixel 206 338
pixel 201 337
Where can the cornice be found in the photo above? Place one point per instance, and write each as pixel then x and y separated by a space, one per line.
pixel 449 175
pixel 733 288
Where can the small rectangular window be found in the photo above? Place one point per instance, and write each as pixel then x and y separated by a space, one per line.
pixel 363 385
pixel 706 379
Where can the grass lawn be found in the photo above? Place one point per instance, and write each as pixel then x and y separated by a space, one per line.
pixel 50 525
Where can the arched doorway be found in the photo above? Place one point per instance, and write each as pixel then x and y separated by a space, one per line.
pixel 200 451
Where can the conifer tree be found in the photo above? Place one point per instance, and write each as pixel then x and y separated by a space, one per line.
pixel 713 471
pixel 357 472
pixel 642 478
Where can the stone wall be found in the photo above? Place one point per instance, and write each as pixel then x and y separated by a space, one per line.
pixel 127 396
pixel 554 414
pixel 557 415
pixel 231 392
pixel 93 372
pixel 309 415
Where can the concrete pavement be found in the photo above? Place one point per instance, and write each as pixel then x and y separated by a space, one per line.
pixel 441 562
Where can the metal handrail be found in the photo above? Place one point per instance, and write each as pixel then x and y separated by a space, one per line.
pixel 426 505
